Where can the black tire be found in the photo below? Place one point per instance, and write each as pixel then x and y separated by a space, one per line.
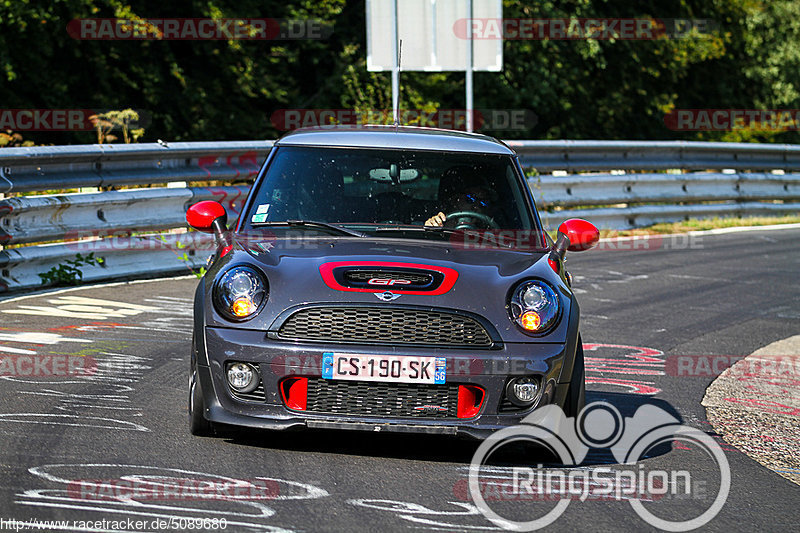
pixel 576 395
pixel 198 425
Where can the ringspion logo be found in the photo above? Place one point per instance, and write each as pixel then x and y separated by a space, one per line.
pixel 600 426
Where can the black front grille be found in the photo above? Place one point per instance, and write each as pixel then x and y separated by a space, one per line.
pixel 401 400
pixel 507 407
pixel 258 395
pixel 360 276
pixel 386 326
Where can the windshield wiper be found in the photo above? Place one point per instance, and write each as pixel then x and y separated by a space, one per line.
pixel 413 227
pixel 313 223
pixel 434 230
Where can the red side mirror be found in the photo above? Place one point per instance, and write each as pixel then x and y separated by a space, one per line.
pixel 202 215
pixel 582 235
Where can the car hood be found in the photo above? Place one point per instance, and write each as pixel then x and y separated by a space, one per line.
pixel 272 252
pixel 483 277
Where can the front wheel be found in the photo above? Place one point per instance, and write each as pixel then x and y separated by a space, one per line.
pixel 576 395
pixel 198 425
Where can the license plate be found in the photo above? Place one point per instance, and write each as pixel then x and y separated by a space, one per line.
pixel 390 368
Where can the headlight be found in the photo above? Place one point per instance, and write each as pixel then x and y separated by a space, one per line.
pixel 239 293
pixel 534 306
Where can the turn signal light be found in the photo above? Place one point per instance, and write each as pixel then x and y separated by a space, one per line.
pixel 530 320
pixel 242 307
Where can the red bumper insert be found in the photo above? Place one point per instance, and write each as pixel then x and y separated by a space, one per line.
pixel 295 393
pixel 470 400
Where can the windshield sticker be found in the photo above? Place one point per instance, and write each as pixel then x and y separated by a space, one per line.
pixel 261 213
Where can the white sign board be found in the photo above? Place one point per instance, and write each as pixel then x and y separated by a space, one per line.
pixel 434 35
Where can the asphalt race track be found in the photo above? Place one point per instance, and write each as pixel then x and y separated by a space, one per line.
pixel 652 311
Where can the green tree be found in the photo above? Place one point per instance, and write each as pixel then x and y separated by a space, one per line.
pixel 229 89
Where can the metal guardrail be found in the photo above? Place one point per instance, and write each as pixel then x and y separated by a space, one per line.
pixel 109 224
pixel 648 199
pixel 592 156
pixel 28 219
pixel 607 189
pixel 647 215
pixel 124 257
pixel 744 179
pixel 106 165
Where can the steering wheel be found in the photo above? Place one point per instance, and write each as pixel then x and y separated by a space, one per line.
pixel 488 221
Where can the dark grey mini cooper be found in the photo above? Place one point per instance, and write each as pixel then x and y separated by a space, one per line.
pixel 385 279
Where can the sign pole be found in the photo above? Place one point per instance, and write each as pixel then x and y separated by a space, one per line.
pixel 395 66
pixel 468 81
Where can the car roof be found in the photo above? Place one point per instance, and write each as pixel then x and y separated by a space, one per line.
pixel 401 137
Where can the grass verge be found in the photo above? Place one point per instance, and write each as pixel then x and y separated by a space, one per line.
pixel 685 226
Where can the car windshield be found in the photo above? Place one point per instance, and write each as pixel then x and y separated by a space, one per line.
pixel 391 193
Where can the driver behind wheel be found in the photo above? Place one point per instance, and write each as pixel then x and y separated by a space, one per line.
pixel 461 191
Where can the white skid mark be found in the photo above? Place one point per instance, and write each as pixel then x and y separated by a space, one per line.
pixel 34 337
pixel 396 506
pixel 159 479
pixel 86 308
pixel 52 311
pixel 19 351
pixel 49 419
pixel 117 386
pixel 63 495
pixel 61 394
pixel 411 512
pixel 81 300
pixel 448 526
pixel 263 527
pixel 312 492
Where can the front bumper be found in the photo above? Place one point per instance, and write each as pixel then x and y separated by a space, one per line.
pixel 489 369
